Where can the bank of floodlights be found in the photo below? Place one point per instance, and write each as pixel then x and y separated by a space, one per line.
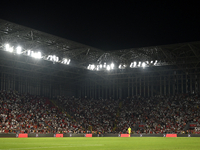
pixel 122 66
pixel 65 61
pixel 144 64
pixel 35 54
pixel 100 67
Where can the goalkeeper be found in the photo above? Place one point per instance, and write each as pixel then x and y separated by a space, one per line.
pixel 129 131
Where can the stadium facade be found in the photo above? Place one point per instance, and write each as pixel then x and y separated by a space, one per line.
pixel 49 65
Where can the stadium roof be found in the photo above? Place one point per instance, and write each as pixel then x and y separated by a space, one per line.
pixel 180 56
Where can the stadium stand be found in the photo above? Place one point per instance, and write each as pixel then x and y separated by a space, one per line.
pixel 93 85
pixel 26 113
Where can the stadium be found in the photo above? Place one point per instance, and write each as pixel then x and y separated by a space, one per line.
pixel 53 87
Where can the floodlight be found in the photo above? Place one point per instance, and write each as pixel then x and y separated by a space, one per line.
pixel 135 63
pixel 64 61
pixel 11 49
pixel 139 63
pixel 7 46
pixel 38 55
pixel 68 61
pixel 32 54
pixel 143 65
pixel 101 66
pixel 53 58
pixel 89 66
pixel 112 66
pixel 98 66
pixel 19 49
pixel 28 52
pixel 152 62
pixel 104 65
pixel 131 65
pixel 92 67
pixel 108 67
pixel 120 66
pixel 155 62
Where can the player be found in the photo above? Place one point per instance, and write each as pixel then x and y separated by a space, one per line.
pixel 129 131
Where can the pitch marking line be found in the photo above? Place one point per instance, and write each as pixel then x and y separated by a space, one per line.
pixel 55 147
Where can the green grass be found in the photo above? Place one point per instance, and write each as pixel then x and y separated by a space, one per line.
pixel 101 143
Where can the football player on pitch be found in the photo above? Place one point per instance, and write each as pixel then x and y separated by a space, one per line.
pixel 129 131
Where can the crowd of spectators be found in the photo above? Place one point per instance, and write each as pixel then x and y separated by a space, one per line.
pixel 31 114
pixel 35 114
pixel 158 114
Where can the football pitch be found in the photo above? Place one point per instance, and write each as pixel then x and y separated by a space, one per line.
pixel 101 143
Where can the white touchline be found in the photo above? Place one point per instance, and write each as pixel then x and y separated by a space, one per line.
pixel 55 147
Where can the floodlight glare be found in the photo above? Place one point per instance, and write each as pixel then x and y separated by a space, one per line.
pixel 11 49
pixel 7 46
pixel 101 66
pixel 32 54
pixel 68 61
pixel 155 62
pixel 89 66
pixel 98 66
pixel 135 63
pixel 28 52
pixel 112 66
pixel 108 67
pixel 19 49
pixel 143 65
pixel 139 63
pixel 38 55
pixel 92 67
pixel 131 65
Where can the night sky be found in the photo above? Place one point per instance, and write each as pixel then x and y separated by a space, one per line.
pixel 110 25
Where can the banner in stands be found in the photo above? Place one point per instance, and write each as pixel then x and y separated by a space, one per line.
pixel 88 135
pixel 22 135
pixel 59 135
pixel 124 135
pixel 171 135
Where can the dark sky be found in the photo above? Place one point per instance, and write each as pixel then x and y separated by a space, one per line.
pixel 110 25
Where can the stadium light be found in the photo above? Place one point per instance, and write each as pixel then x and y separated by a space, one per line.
pixel 108 67
pixel 36 55
pixel 28 52
pixel 139 64
pixel 19 49
pixel 143 65
pixel 68 61
pixel 104 65
pixel 92 67
pixel 155 62
pixel 112 66
pixel 98 67
pixel 65 61
pixel 88 66
pixel 8 48
pixel 135 63
pixel 131 65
